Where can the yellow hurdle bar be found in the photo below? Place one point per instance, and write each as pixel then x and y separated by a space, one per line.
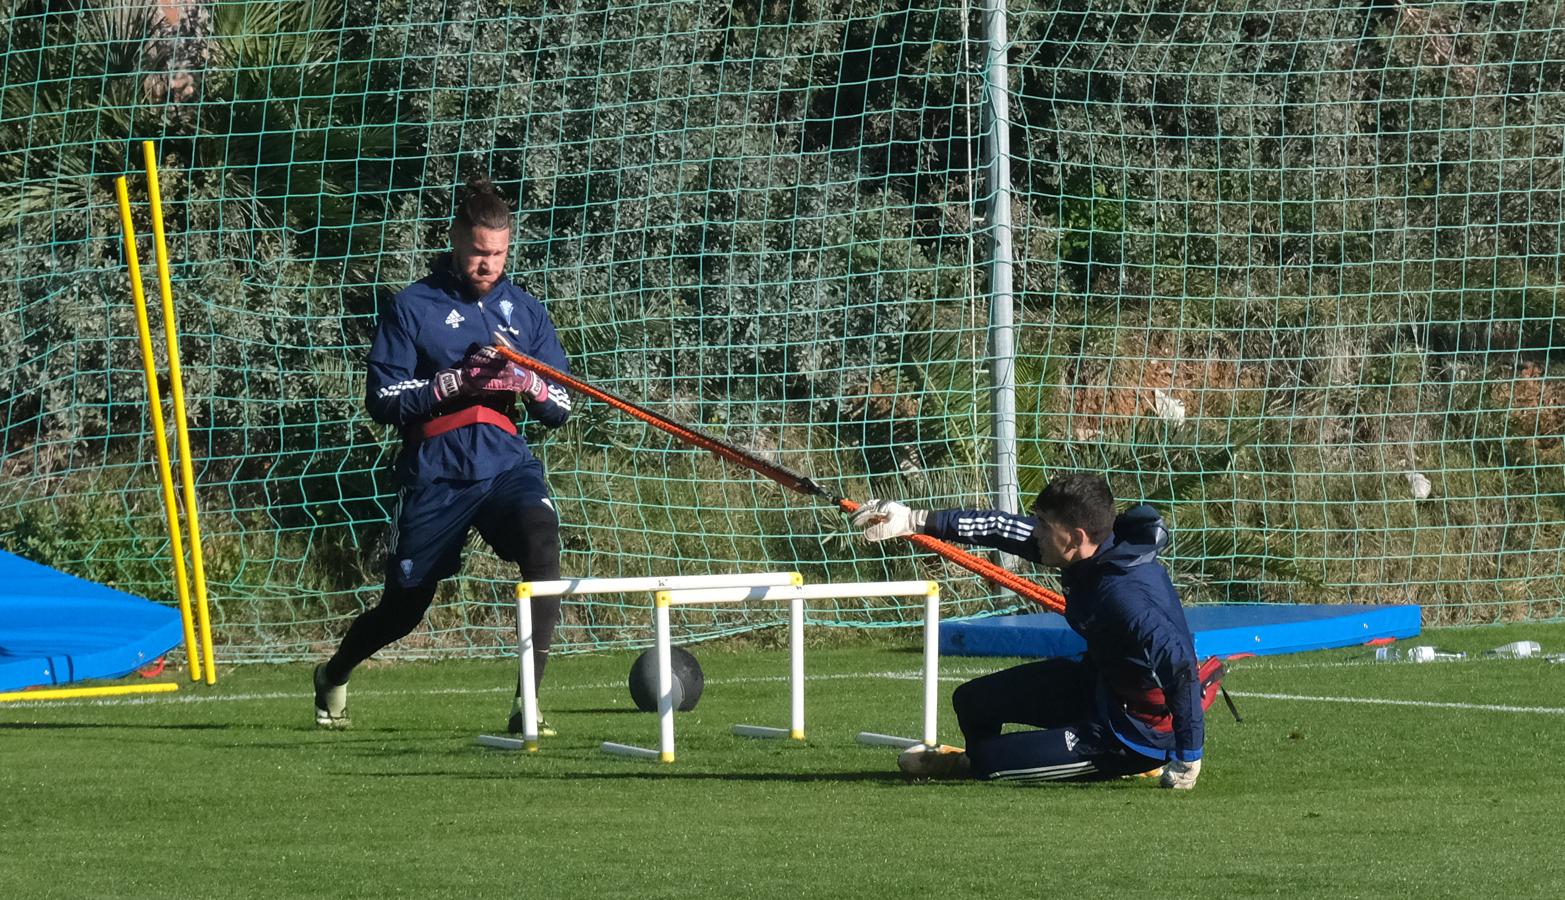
pixel 149 366
pixel 161 687
pixel 177 388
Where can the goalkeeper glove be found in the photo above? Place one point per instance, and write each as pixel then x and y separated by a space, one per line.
pixel 886 519
pixel 483 371
pixel 1179 775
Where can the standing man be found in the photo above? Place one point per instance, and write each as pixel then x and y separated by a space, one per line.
pixel 433 373
pixel 1134 703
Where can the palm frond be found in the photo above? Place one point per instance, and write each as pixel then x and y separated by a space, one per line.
pixel 290 35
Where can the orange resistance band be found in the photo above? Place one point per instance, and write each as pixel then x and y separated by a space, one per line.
pixel 789 479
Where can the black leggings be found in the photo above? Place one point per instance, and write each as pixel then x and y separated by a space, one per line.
pixel 536 550
pixel 1056 697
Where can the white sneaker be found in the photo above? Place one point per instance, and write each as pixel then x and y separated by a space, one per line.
pixel 944 761
pixel 331 701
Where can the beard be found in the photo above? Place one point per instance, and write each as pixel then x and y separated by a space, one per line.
pixel 478 285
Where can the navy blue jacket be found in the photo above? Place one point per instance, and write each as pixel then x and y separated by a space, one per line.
pixel 1122 602
pixel 431 325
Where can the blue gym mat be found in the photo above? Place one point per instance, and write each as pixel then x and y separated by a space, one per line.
pixel 1222 630
pixel 56 628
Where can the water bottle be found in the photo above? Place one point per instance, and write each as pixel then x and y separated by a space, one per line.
pixel 1422 653
pixel 1515 650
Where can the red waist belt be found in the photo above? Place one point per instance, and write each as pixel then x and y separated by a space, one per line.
pixel 470 415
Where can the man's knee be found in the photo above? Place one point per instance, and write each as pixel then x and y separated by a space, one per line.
pixel 536 544
pixel 965 699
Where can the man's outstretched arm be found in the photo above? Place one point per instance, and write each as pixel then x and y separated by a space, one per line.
pixel 885 519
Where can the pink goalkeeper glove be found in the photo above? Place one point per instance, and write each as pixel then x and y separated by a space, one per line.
pixel 483 371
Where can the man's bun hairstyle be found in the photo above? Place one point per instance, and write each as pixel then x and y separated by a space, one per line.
pixel 1078 500
pixel 479 205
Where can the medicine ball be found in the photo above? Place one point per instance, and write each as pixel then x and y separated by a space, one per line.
pixel 687 684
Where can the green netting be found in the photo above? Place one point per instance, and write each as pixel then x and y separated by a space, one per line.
pixel 1282 267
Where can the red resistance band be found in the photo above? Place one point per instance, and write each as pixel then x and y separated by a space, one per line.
pixel 471 415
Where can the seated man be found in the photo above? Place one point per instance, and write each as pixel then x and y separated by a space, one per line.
pixel 1134 703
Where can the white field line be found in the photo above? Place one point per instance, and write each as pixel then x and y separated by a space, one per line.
pixel 908 675
pixel 1267 664
pixel 174 699
pixel 1386 701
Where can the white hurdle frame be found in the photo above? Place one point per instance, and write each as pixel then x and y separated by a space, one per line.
pixel 931 683
pixel 795 729
pixel 527 678
pixel 795 595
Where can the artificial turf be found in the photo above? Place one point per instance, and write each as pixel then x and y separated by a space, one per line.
pixel 231 791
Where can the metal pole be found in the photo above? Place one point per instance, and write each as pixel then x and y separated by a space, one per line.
pixel 1002 337
pixel 796 667
pixel 665 681
pixel 526 674
pixel 931 664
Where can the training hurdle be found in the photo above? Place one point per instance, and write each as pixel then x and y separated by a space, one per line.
pixel 795 595
pixel 575 587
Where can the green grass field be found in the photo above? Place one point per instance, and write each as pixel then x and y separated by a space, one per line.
pixel 1346 779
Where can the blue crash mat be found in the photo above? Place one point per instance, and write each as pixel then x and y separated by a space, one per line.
pixel 56 628
pixel 1223 630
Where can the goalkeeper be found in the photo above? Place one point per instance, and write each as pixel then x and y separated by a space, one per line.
pixel 1133 704
pixel 463 462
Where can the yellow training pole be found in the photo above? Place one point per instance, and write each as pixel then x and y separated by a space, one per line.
pixel 144 330
pixel 177 387
pixel 161 687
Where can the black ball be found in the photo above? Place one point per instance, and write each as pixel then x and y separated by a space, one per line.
pixel 688 680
